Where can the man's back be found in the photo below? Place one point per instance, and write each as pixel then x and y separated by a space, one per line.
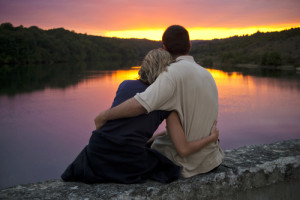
pixel 190 90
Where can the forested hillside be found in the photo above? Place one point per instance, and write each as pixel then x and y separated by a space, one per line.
pixel 20 45
pixel 273 48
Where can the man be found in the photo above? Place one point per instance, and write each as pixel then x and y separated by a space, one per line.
pixel 190 90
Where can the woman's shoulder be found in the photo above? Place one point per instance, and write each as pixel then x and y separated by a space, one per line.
pixel 128 89
pixel 128 84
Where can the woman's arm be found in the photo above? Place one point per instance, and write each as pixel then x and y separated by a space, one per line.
pixel 177 135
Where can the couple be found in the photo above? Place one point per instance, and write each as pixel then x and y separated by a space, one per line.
pixel 180 91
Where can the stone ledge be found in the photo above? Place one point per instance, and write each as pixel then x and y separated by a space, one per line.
pixel 243 169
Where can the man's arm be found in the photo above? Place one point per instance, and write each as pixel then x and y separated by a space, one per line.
pixel 129 108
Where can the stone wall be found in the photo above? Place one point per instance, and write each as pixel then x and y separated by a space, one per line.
pixel 246 173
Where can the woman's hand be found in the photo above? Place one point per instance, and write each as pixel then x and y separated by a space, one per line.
pixel 156 135
pixel 214 132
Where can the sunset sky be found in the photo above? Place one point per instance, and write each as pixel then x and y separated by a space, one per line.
pixel 205 19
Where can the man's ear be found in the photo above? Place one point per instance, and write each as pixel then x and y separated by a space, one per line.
pixel 164 47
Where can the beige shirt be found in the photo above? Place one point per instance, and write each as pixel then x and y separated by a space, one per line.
pixel 191 90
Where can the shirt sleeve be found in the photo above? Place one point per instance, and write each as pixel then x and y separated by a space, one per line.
pixel 158 96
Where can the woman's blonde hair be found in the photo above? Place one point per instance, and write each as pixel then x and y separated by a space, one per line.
pixel 155 62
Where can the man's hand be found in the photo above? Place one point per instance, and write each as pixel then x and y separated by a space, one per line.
pixel 129 108
pixel 100 120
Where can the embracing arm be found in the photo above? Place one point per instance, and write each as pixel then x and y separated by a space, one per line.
pixel 129 108
pixel 155 94
pixel 177 135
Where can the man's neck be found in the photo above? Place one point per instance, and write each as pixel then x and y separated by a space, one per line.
pixel 176 56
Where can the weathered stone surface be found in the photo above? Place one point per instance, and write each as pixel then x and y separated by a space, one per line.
pixel 244 169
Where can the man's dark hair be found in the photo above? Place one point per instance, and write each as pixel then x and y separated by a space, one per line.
pixel 176 40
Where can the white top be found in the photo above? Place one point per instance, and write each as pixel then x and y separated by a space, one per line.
pixel 191 90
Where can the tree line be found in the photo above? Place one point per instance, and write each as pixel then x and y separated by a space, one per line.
pixel 20 45
pixel 271 49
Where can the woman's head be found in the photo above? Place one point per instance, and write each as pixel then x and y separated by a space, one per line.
pixel 154 63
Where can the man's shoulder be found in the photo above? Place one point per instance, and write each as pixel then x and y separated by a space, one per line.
pixel 185 61
pixel 182 67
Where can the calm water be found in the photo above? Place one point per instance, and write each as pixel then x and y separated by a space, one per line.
pixel 46 119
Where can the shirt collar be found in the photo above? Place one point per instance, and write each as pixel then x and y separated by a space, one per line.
pixel 186 57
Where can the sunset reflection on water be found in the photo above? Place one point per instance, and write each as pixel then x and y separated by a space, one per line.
pixel 45 129
pixel 252 110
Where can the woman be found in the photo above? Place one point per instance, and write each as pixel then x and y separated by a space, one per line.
pixel 117 151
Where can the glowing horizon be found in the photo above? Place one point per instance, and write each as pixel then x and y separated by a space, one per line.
pixel 198 33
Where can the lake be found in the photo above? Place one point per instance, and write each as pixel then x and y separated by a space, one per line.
pixel 46 113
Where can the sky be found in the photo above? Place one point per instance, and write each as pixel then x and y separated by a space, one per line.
pixel 204 19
